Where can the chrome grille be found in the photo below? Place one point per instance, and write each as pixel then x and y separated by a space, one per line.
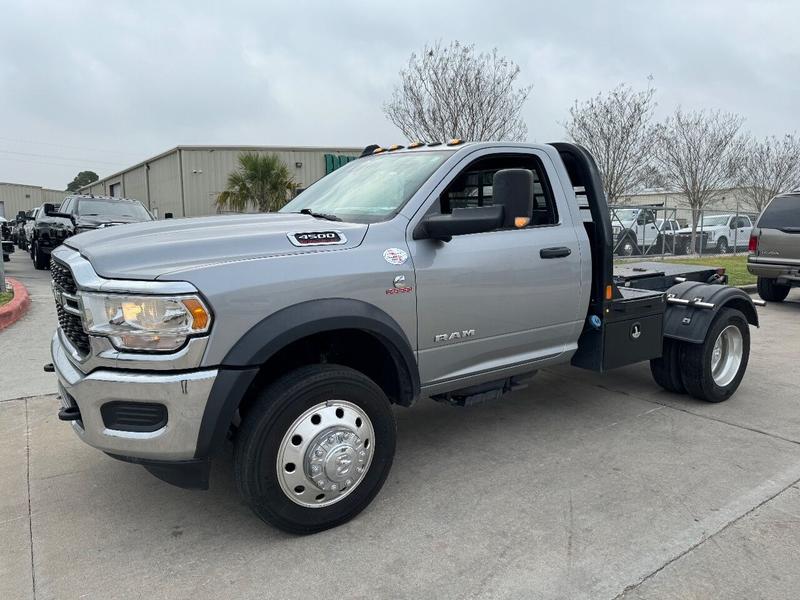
pixel 62 277
pixel 71 324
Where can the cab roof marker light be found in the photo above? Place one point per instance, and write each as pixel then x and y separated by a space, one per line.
pixel 378 150
pixel 415 144
pixel 434 143
pixel 395 147
pixel 455 142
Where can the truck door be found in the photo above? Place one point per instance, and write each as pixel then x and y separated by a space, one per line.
pixel 500 298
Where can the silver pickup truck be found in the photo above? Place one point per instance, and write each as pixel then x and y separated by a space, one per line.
pixel 452 271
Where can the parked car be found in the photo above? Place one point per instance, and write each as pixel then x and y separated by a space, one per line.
pixel 5 239
pixel 78 214
pixel 775 248
pixel 18 229
pixel 717 233
pixel 27 228
pixel 635 230
pixel 293 333
pixel 665 241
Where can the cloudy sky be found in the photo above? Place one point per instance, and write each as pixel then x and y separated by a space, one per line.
pixel 101 85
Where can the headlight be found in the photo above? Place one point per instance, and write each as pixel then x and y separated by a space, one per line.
pixel 156 323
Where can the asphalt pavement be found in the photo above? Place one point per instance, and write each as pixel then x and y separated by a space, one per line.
pixel 580 486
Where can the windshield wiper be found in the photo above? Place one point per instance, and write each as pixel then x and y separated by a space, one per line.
pixel 316 215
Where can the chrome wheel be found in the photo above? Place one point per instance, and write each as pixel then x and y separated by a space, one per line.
pixel 325 453
pixel 726 356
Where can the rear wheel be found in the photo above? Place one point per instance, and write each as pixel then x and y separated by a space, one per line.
pixel 771 291
pixel 628 246
pixel 713 370
pixel 666 369
pixel 315 448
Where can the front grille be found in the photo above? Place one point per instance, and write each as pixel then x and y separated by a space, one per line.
pixel 71 325
pixel 62 277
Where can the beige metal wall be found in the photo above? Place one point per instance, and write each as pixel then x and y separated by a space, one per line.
pixel 729 199
pixel 16 197
pixel 205 172
pixel 186 180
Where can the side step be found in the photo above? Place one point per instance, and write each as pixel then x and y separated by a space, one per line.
pixel 478 394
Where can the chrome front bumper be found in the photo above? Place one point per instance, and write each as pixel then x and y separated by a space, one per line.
pixel 184 395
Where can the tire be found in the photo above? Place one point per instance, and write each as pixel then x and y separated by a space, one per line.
pixel 266 434
pixel 700 380
pixel 40 261
pixel 628 246
pixel 771 291
pixel 666 370
pixel 722 246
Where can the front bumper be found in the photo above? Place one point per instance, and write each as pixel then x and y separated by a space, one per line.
pixel 184 395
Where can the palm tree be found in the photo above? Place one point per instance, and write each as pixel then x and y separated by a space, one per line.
pixel 262 180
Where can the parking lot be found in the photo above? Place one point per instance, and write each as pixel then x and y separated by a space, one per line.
pixel 580 486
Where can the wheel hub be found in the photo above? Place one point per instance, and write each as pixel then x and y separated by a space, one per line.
pixel 325 453
pixel 335 459
pixel 726 355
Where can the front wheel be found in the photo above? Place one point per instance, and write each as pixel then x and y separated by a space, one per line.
pixel 713 370
pixel 722 246
pixel 39 258
pixel 315 448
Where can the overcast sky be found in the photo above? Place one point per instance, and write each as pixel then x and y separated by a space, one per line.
pixel 102 85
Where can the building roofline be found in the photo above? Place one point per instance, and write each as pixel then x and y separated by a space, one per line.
pixel 222 147
pixel 27 185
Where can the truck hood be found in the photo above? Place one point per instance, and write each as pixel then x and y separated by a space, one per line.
pixel 148 250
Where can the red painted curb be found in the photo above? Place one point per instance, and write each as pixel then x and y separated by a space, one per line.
pixel 13 311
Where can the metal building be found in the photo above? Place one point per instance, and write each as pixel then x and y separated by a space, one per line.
pixel 15 197
pixel 185 180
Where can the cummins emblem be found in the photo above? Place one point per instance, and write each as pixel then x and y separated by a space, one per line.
pixel 636 331
pixel 456 335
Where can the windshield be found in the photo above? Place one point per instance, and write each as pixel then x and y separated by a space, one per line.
pixel 109 208
pixel 712 221
pixel 369 189
pixel 626 214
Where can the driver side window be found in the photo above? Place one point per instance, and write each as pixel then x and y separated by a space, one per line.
pixel 472 187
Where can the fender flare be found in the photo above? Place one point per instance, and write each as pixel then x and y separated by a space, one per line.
pixel 241 364
pixel 690 324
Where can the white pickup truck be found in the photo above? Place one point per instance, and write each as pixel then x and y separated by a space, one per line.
pixel 719 233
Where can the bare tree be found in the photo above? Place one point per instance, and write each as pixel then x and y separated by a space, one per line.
pixel 770 167
pixel 699 154
pixel 453 91
pixel 616 128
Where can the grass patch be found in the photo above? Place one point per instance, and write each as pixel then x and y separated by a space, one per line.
pixel 735 266
pixel 5 297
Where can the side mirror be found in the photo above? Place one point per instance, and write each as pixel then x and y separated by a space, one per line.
pixel 167 215
pixel 21 215
pixel 49 209
pixel 460 222
pixel 513 189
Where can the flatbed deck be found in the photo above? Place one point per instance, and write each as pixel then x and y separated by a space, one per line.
pixel 660 276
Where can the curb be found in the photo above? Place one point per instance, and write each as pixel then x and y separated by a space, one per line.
pixel 12 311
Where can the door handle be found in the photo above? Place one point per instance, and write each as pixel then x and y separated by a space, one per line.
pixel 559 252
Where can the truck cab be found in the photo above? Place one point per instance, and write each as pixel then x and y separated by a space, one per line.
pixel 451 271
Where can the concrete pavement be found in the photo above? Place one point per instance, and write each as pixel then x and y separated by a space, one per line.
pixel 581 486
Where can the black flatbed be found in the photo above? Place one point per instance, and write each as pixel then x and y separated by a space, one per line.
pixel 660 276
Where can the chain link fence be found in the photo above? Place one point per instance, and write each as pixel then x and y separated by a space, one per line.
pixel 667 231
